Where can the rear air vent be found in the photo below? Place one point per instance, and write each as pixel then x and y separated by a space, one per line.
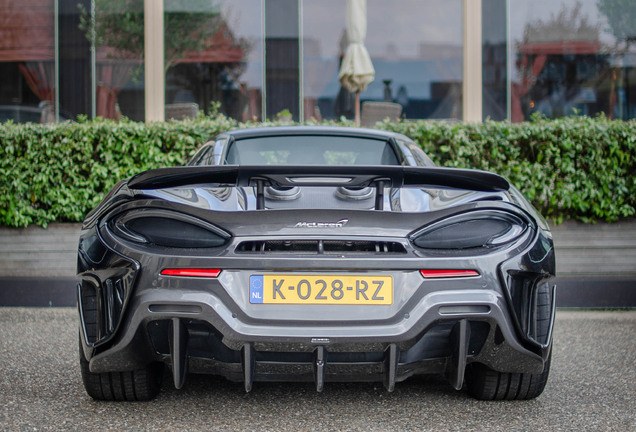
pixel 101 307
pixel 320 247
pixel 356 194
pixel 282 193
pixel 90 311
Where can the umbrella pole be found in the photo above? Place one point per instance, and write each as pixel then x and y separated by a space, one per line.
pixel 358 109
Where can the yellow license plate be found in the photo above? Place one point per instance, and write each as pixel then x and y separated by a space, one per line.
pixel 321 289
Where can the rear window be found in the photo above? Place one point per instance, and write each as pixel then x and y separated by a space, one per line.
pixel 310 150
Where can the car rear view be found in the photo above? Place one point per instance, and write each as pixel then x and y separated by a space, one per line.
pixel 320 255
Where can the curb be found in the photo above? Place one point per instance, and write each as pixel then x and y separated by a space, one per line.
pixel 38 292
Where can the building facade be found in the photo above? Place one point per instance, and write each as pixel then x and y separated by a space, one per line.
pixel 439 59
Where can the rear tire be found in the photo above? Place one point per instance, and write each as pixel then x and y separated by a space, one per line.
pixel 140 385
pixel 486 384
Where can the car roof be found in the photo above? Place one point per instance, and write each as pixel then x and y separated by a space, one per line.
pixel 310 130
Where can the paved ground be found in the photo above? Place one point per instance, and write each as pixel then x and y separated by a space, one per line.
pixel 592 387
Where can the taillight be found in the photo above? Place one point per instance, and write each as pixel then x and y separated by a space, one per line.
pixel 471 230
pixel 211 273
pixel 439 274
pixel 167 228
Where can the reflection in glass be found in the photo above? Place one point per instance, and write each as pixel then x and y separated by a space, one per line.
pixel 310 150
pixel 494 77
pixel 213 54
pixel 415 47
pixel 282 58
pixel 74 59
pixel 27 67
pixel 573 57
pixel 118 35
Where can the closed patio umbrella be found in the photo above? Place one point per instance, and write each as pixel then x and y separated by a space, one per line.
pixel 356 71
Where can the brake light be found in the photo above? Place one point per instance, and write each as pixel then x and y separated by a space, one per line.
pixel 474 229
pixel 211 273
pixel 438 274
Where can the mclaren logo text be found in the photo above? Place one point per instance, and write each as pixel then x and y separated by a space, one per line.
pixel 338 224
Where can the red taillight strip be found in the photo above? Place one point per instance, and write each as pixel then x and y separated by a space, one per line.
pixel 212 273
pixel 432 274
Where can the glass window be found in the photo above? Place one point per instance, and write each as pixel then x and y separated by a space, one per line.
pixel 420 158
pixel 494 76
pixel 310 150
pixel 27 61
pixel 572 56
pixel 213 53
pixel 282 58
pixel 75 63
pixel 415 47
pixel 119 52
pixel 203 156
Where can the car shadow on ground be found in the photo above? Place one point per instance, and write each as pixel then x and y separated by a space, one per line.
pixel 205 386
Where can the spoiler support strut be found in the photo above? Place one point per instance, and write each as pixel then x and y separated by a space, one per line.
pixel 260 195
pixel 379 195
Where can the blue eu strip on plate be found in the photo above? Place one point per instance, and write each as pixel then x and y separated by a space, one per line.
pixel 256 289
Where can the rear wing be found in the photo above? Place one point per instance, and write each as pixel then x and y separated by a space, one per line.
pixel 353 176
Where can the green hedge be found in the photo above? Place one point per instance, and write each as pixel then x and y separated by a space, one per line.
pixel 574 168
pixel 60 172
pixel 577 167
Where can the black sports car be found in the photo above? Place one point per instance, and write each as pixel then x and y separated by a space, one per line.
pixel 315 254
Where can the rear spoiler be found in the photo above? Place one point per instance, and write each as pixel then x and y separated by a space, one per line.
pixel 320 175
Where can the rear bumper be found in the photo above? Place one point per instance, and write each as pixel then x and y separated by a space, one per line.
pixel 407 347
pixel 475 305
